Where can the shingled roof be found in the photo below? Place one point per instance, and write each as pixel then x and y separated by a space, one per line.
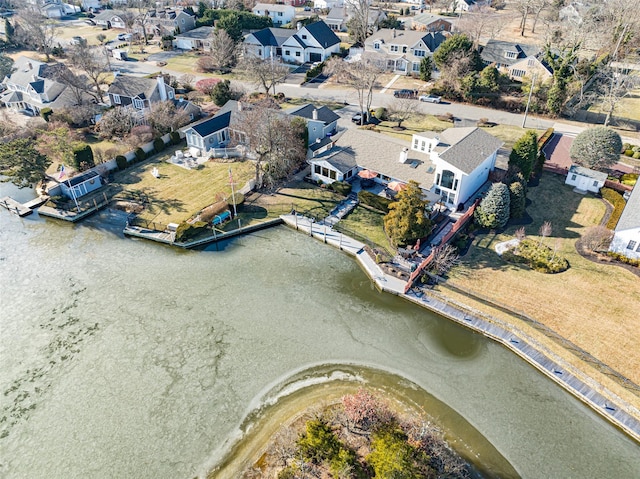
pixel 467 148
pixel 325 114
pixel 323 34
pixel 216 123
pixel 272 36
pixel 630 217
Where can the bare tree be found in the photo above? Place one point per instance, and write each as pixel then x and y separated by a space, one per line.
pixel 91 62
pixel 520 233
pixel 359 22
pixel 524 8
pixel 444 258
pixel 536 8
pixel 400 109
pixel 116 123
pixel 224 51
pixel 265 73
pixel 361 75
pixel 277 140
pixel 36 30
pixel 142 16
pixel 482 22
pixel 544 231
pixel 596 238
pixel 165 117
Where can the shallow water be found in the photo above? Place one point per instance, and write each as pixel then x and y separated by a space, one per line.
pixel 122 358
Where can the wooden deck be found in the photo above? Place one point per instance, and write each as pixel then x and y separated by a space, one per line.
pixel 15 206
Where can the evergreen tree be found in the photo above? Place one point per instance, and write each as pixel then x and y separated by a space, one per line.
pixel 6 65
pixel 21 163
pixel 221 93
pixel 392 456
pixel 452 47
pixel 525 153
pixel 9 31
pixel 517 199
pixel 596 148
pixel 407 220
pixel 426 69
pixel 493 211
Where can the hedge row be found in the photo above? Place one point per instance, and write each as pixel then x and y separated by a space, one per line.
pixel 544 139
pixel 140 155
pixel 314 72
pixel 623 259
pixel 618 203
pixel 374 201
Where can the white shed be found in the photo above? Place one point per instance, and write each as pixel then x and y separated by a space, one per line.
pixel 585 179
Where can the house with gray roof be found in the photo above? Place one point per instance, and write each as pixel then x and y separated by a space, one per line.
pixel 585 179
pixel 516 59
pixel 321 122
pixel 626 236
pixel 314 42
pixel 196 39
pixel 462 159
pixel 111 19
pixel 279 14
pixel 33 85
pixel 339 16
pixel 266 43
pixel 427 22
pixel 403 50
pixel 139 93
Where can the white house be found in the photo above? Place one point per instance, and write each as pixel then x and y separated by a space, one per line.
pixel 266 43
pixel 585 179
pixel 463 159
pixel 626 236
pixel 208 134
pixel 321 122
pixel 327 4
pixel 81 185
pixel 197 39
pixel 403 50
pixel 90 4
pixel 111 19
pixel 312 43
pixel 279 14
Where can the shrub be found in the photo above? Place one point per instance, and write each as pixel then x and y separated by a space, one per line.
pixel 623 259
pixel 82 156
pixel 628 152
pixel 544 138
pixel 175 137
pixel 314 72
pixel 381 113
pixel 239 200
pixel 47 112
pixel 636 155
pixel 187 231
pixel 493 210
pixel 341 187
pixel 629 179
pixel 618 203
pixel 140 154
pixel 122 163
pixel 539 257
pixel 374 201
pixel 158 145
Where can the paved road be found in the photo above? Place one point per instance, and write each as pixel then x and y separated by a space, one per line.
pixel 466 114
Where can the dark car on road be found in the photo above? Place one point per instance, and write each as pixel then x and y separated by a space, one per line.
pixel 405 93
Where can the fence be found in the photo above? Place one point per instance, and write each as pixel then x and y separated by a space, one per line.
pixel 148 224
pixel 457 226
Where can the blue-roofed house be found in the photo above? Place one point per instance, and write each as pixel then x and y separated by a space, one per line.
pixel 626 236
pixel 266 43
pixel 208 134
pixel 312 43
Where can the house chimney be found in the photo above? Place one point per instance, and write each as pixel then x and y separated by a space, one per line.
pixel 314 114
pixel 394 33
pixel 162 88
pixel 239 106
pixel 298 25
pixel 404 155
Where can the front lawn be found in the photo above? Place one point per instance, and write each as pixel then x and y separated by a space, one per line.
pixel 590 304
pixel 367 223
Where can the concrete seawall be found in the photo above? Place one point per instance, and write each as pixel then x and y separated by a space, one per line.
pixel 620 413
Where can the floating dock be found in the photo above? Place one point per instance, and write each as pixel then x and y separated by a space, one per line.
pixel 15 206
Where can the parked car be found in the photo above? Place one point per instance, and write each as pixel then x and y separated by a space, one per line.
pixel 430 98
pixel 357 118
pixel 405 93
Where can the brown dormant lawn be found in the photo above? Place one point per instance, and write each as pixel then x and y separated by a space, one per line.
pixel 595 306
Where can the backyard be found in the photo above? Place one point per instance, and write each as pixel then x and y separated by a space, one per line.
pixel 590 304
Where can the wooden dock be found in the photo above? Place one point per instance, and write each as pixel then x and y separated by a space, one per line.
pixel 15 206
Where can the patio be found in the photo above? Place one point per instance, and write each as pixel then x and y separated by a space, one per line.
pixel 186 160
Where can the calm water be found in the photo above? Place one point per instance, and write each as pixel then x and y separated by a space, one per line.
pixel 121 358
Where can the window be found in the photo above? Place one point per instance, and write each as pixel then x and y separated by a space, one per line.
pixel 316 169
pixel 595 183
pixel 393 48
pixel 287 52
pixel 297 54
pixel 116 99
pixel 632 245
pixel 304 37
pixel 404 49
pixel 447 179
pixel 455 184
pixel 511 54
pixel 638 248
pixel 138 104
pixel 422 145
pixel 376 46
pixel 573 177
pixel 415 143
pixel 259 52
pixel 325 172
pixel 531 62
pixel 416 67
pixel 279 14
pixel 332 174
pixel 518 73
pixel 419 53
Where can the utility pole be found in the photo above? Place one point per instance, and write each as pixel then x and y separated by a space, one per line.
pixel 526 110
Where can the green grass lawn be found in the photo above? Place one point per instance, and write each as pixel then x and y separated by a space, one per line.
pixel 629 106
pixel 178 193
pixel 368 224
pixel 590 304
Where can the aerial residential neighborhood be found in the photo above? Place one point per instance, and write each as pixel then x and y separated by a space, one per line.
pixel 478 160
